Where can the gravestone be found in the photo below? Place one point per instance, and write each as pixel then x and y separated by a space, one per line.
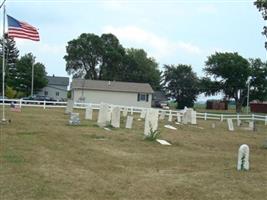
pixel 129 122
pixel 238 122
pixel 170 116
pixel 189 116
pixel 251 125
pixel 125 111
pixel 143 113
pixel 115 117
pixel 162 115
pixel 230 124
pixel 103 115
pixel 213 125
pixel 74 119
pixel 89 113
pixel 109 115
pixel 69 107
pixel 243 158
pixel 151 121
pixel 179 117
pixel 194 117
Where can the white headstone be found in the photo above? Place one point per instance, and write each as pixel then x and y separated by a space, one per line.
pixel 69 107
pixel 103 115
pixel 178 117
pixel 194 117
pixel 125 111
pixel 170 127
pixel 163 142
pixel 189 116
pixel 230 124
pixel 115 117
pixel 243 157
pixel 170 116
pixel 162 115
pixel 151 121
pixel 251 125
pixel 129 122
pixel 143 113
pixel 89 113
pixel 109 115
pixel 213 125
pixel 74 119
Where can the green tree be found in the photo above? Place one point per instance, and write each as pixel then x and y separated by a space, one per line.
pixel 230 72
pixel 181 83
pixel 138 67
pixel 112 58
pixel 11 57
pixel 258 83
pixel 84 55
pixel 262 7
pixel 21 79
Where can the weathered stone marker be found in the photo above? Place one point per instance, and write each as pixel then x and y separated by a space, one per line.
pixel 129 122
pixel 193 117
pixel 243 157
pixel 89 113
pixel 162 115
pixel 143 113
pixel 251 125
pixel 74 119
pixel 230 124
pixel 69 107
pixel 115 117
pixel 103 115
pixel 170 116
pixel 151 121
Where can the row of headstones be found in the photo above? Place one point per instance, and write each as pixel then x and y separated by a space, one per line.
pixel 251 125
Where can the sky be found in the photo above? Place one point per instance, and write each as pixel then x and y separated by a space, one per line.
pixel 171 31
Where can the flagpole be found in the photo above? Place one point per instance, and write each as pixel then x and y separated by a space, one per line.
pixel 32 77
pixel 3 67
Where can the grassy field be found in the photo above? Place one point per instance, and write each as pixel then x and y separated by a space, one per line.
pixel 41 157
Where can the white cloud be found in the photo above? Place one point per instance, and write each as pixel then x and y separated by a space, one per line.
pixel 159 47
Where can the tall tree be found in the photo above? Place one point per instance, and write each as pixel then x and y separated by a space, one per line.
pixel 11 57
pixel 230 72
pixel 84 55
pixel 21 79
pixel 112 58
pixel 182 84
pixel 262 7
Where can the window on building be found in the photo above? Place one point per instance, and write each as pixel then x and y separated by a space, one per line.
pixel 57 93
pixel 45 93
pixel 142 97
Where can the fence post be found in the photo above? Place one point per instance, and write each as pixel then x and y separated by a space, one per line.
pixel 221 117
pixel 265 120
pixel 205 116
pixel 20 103
pixel 44 104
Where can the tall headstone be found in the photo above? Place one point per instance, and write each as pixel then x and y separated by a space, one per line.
pixel 103 113
pixel 162 115
pixel 125 111
pixel 74 119
pixel 89 113
pixel 143 113
pixel 115 117
pixel 179 117
pixel 109 113
pixel 170 116
pixel 151 121
pixel 129 122
pixel 189 116
pixel 69 107
pixel 243 157
pixel 194 117
pixel 230 124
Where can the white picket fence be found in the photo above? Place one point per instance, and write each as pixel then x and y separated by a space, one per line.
pixel 206 116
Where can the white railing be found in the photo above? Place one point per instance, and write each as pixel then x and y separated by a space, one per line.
pixel 206 116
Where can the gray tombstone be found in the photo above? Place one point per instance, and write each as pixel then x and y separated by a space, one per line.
pixel 103 115
pixel 243 157
pixel 129 122
pixel 170 116
pixel 251 125
pixel 115 117
pixel 89 112
pixel 151 121
pixel 74 119
pixel 69 107
pixel 230 124
pixel 193 117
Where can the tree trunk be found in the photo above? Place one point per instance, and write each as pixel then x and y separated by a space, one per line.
pixel 238 106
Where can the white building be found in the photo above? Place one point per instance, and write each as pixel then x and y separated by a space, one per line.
pixel 112 92
pixel 57 88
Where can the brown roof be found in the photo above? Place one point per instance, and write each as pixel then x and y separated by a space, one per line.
pixel 115 86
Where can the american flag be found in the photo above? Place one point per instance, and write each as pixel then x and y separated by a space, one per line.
pixel 18 29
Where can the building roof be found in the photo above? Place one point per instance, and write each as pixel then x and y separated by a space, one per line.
pixel 114 86
pixel 57 80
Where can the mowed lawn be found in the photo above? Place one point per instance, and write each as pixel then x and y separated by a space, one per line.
pixel 42 157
